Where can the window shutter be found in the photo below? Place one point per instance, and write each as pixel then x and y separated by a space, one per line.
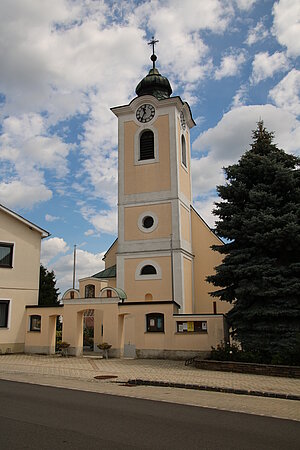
pixel 147 145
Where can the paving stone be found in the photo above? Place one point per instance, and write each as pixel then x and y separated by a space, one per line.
pixel 163 371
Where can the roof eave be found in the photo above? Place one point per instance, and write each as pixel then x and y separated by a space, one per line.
pixel 31 225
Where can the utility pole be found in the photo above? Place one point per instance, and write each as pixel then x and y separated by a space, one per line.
pixel 74 266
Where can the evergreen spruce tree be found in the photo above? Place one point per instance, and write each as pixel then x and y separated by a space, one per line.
pixel 48 293
pixel 259 218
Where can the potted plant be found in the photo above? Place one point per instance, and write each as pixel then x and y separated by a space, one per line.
pixel 64 348
pixel 104 347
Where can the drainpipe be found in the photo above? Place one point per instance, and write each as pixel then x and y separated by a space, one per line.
pixel 172 268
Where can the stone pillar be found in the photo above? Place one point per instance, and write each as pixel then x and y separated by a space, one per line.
pixel 51 334
pixel 73 330
pixel 98 323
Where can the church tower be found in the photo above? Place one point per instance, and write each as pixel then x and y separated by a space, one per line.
pixel 154 255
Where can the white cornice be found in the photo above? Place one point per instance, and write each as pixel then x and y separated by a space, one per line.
pixel 172 101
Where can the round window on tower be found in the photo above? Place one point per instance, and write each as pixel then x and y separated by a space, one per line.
pixel 147 222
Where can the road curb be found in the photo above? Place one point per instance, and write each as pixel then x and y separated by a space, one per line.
pixel 226 390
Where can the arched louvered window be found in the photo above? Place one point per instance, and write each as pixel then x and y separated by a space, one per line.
pixel 146 145
pixel 148 270
pixel 183 151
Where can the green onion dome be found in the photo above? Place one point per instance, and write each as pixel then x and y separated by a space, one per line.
pixel 154 84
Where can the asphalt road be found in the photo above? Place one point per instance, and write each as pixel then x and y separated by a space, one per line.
pixel 38 417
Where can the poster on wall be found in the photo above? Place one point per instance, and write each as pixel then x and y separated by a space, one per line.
pixel 190 326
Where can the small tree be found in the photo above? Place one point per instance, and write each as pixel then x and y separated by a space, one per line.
pixel 48 293
pixel 260 220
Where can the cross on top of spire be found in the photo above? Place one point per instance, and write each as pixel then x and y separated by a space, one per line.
pixel 153 57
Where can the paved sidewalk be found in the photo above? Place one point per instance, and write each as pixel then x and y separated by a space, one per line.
pixel 86 368
pixel 79 373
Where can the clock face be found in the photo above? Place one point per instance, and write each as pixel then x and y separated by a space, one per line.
pixel 145 113
pixel 182 120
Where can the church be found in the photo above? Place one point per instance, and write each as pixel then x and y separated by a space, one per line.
pixel 152 299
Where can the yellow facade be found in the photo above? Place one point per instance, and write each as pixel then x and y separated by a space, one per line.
pixel 184 172
pixel 188 285
pixel 149 177
pixel 27 246
pixel 160 289
pixel 163 213
pixel 125 325
pixel 19 284
pixel 110 255
pixel 185 223
pixel 152 299
pixel 204 264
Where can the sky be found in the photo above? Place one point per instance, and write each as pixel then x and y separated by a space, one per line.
pixel 65 63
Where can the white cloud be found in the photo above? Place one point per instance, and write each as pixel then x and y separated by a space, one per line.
pixel 232 136
pixel 66 58
pixel 51 248
pixel 230 65
pixel 50 218
pixel 240 96
pixel 18 194
pixel 286 25
pixel 182 51
pixel 87 264
pixel 103 221
pixel 245 4
pixel 192 15
pixel 89 232
pixel 286 94
pixel 27 150
pixel 207 173
pixel 60 59
pixel 265 65
pixel 256 34
pixel 205 207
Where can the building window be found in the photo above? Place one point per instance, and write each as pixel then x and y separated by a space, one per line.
pixel 148 296
pixel 148 270
pixel 192 326
pixel 108 293
pixel 146 145
pixel 89 291
pixel 6 254
pixel 4 308
pixel 183 151
pixel 155 322
pixel 72 294
pixel 35 323
pixel 148 222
